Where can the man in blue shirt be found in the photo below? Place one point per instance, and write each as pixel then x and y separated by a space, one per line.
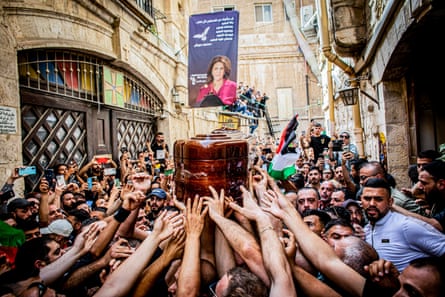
pixel 396 237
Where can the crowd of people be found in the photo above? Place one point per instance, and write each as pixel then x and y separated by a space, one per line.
pixel 339 226
pixel 249 102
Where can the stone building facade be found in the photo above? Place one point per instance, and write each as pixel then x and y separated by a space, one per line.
pixel 271 59
pixel 88 77
pixel 392 51
pixel 91 77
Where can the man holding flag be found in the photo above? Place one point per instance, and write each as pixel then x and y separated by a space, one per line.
pixel 283 163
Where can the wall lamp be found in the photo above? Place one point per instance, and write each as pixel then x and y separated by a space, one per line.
pixel 350 96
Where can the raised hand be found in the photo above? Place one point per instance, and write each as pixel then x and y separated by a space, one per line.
pixel 85 240
pixel 44 186
pixel 178 204
pixel 215 203
pixel 289 245
pixel 167 224
pixel 175 246
pixel 121 249
pixel 195 216
pixel 251 209
pixel 271 204
pixel 141 181
pixel 132 200
pixel 384 273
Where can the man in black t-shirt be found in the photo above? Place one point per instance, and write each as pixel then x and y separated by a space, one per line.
pixel 160 150
pixel 316 140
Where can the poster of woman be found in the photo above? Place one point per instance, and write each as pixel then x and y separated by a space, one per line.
pixel 219 89
pixel 213 58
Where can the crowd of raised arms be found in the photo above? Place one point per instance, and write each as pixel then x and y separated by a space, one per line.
pixel 339 226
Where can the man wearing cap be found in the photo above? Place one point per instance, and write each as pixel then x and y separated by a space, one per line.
pixel 20 210
pixel 358 219
pixel 59 230
pixel 157 201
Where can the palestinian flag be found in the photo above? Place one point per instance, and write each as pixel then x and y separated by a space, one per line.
pixel 10 240
pixel 283 163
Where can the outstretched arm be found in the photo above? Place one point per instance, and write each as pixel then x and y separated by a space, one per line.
pixel 277 266
pixel 313 247
pixel 120 282
pixel 53 271
pixel 241 241
pixel 308 284
pixel 119 250
pixel 174 250
pixel 432 221
pixel 189 279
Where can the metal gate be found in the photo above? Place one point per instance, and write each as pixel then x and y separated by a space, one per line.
pixel 73 107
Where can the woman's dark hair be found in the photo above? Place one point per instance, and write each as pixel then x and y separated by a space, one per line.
pixel 227 67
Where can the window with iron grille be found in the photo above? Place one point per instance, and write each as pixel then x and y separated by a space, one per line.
pixel 85 78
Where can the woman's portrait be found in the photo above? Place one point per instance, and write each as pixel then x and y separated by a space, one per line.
pixel 218 90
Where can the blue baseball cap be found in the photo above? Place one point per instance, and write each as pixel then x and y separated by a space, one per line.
pixel 160 193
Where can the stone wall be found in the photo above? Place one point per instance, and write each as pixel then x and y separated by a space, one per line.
pixel 102 28
pixel 10 144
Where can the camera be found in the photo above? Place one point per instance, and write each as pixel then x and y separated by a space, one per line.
pixel 337 145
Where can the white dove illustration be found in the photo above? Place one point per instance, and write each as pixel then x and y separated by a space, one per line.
pixel 203 35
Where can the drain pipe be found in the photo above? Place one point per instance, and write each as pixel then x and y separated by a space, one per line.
pixel 333 58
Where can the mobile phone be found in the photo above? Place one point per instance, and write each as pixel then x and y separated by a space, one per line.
pixel 60 180
pixel 50 176
pixel 90 183
pixel 109 171
pixel 28 170
pixel 346 149
pixel 117 183
pixel 146 159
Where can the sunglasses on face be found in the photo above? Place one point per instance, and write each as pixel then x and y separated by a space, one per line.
pixel 344 136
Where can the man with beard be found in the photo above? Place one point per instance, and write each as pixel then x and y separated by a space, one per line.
pixel 20 210
pixel 375 169
pixel 432 184
pixel 68 201
pixel 397 238
pixel 157 201
pixel 326 189
pixel 160 149
pixel 313 178
pixel 93 168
